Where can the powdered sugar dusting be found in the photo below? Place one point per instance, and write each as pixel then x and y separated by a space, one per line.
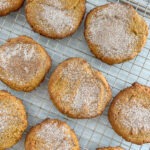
pixel 109 29
pixel 24 51
pixel 73 71
pixel 19 61
pixel 3 123
pixel 4 117
pixel 4 4
pixel 54 137
pixel 87 96
pixel 63 4
pixel 6 122
pixel 57 19
pixel 86 88
pixel 7 117
pixel 56 3
pixel 135 116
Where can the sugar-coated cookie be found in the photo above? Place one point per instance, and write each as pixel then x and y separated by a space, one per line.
pixel 7 6
pixel 13 120
pixel 55 18
pixel 51 134
pixel 23 63
pixel 129 114
pixel 78 90
pixel 115 32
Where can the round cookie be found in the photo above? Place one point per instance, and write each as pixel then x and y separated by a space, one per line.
pixel 55 18
pixel 115 32
pixel 51 134
pixel 129 114
pixel 78 90
pixel 13 120
pixel 23 63
pixel 7 6
pixel 110 148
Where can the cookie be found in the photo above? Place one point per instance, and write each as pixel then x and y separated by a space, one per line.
pixel 78 90
pixel 129 114
pixel 110 148
pixel 115 32
pixel 55 18
pixel 23 63
pixel 51 134
pixel 62 4
pixel 7 6
pixel 13 120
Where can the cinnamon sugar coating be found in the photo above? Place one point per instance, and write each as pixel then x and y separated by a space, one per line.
pixel 55 18
pixel 129 114
pixel 115 32
pixel 13 120
pixel 51 134
pixel 78 90
pixel 7 6
pixel 23 63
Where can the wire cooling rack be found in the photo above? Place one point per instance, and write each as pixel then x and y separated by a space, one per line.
pixel 92 133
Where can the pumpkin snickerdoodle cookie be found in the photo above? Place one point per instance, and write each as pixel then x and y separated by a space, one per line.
pixel 129 114
pixel 115 32
pixel 55 18
pixel 7 6
pixel 23 63
pixel 13 120
pixel 110 148
pixel 51 134
pixel 78 90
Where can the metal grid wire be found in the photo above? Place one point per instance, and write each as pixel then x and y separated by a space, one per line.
pixel 92 133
